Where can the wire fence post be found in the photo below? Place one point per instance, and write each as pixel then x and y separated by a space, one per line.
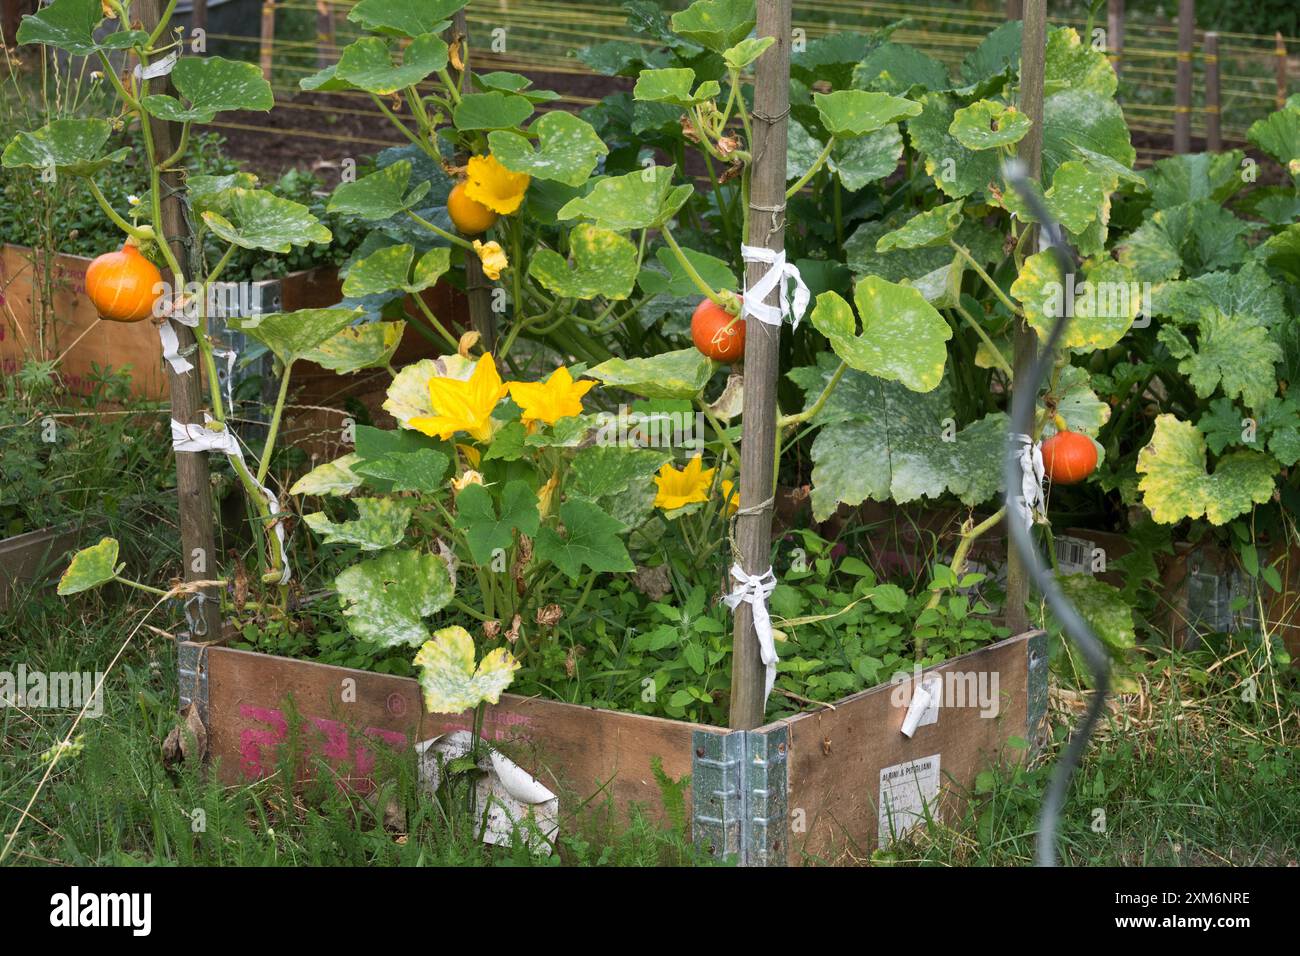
pixel 1115 34
pixel 1015 9
pixel 199 15
pixel 324 33
pixel 762 360
pixel 266 48
pixel 1213 127
pixel 1033 57
pixel 193 485
pixel 1183 81
pixel 1279 50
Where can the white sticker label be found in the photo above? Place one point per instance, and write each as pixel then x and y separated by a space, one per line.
pixel 906 789
pixel 1073 555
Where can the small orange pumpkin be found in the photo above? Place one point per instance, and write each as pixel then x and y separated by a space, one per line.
pixel 717 333
pixel 123 285
pixel 469 216
pixel 1069 458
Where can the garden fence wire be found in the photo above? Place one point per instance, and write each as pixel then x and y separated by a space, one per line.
pixel 543 36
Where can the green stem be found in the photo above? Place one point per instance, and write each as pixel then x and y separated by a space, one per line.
pixel 802 181
pixel 988 281
pixel 720 430
pixel 790 421
pixel 162 22
pixel 142 587
pixel 958 565
pixel 181 145
pixel 998 357
pixel 264 464
pixel 433 320
pixel 402 127
pixel 688 268
pixel 134 232
pixel 450 237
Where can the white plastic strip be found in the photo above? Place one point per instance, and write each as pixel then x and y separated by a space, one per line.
pixel 754 590
pixel 200 438
pixel 779 276
pixel 1032 501
pixel 171 349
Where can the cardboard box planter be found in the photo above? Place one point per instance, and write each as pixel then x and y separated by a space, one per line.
pixel 807 788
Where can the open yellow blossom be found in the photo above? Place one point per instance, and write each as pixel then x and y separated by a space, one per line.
pixel 558 397
pixel 680 488
pixel 489 183
pixel 730 496
pixel 463 406
pixel 493 258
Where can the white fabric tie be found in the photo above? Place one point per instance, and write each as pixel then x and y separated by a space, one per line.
pixel 1032 501
pixel 200 438
pixel 754 590
pixel 171 349
pixel 780 274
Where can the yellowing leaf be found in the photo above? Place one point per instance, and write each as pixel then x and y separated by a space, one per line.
pixel 450 681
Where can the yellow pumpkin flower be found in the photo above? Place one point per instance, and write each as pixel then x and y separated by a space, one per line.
pixel 730 496
pixel 558 397
pixel 489 183
pixel 472 455
pixel 463 406
pixel 680 488
pixel 493 258
pixel 470 477
pixel 546 495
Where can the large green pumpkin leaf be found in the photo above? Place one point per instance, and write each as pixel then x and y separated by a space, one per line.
pixel 590 540
pixel 358 346
pixel 71 24
pixel 90 567
pixel 491 110
pixel 746 52
pixel 604 264
pixel 984 244
pixel 1103 606
pixel 987 124
pixel 486 531
pixel 674 281
pixel 259 219
pixel 1104 303
pixel 1073 65
pixel 715 24
pixel 1232 352
pixel 1186 178
pixel 211 84
pixel 389 268
pixel 1190 239
pixel 1074 120
pixel 408 18
pixel 865 159
pixel 680 374
pixel 848 113
pixel 956 170
pixel 643 199
pixel 1278 134
pixel 1077 403
pixel 291 335
pixel 380 523
pixel 903 337
pixel 368 63
pixel 882 441
pixel 898 68
pixel 69 145
pixel 568 149
pixel 332 478
pixel 449 679
pixel 385 599
pixel 674 86
pixel 1175 483
pixel 421 470
pixel 934 227
pixel 379 195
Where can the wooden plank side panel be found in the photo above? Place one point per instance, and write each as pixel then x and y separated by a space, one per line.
pixel 573 750
pixel 23 557
pixel 836 756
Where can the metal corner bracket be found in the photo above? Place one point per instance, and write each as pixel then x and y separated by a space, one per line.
pixel 192 676
pixel 1036 729
pixel 739 787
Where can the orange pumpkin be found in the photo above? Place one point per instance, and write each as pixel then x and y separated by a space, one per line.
pixel 717 333
pixel 469 216
pixel 1069 457
pixel 123 285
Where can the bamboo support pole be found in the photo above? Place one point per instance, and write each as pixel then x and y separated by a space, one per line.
pixel 762 359
pixel 1183 81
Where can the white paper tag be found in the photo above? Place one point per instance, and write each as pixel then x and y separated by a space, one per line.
pixel 906 789
pixel 924 708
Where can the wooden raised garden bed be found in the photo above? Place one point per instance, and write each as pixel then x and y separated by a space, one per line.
pixel 25 557
pixel 800 789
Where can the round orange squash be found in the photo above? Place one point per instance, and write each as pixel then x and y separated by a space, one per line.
pixel 1069 457
pixel 468 215
pixel 717 333
pixel 123 285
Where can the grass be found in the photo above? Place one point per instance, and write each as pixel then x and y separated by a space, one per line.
pixel 1187 772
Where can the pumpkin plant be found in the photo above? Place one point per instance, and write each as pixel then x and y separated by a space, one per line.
pixel 229 210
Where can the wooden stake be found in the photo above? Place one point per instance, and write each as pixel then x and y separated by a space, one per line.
pixel 199 16
pixel 1213 129
pixel 762 341
pixel 1015 9
pixel 1115 33
pixel 266 49
pixel 1279 50
pixel 477 287
pixel 193 486
pixel 1033 56
pixel 11 14
pixel 1183 82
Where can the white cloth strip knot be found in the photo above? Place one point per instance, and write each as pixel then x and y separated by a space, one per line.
pixel 201 438
pixel 1032 502
pixel 780 275
pixel 754 590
